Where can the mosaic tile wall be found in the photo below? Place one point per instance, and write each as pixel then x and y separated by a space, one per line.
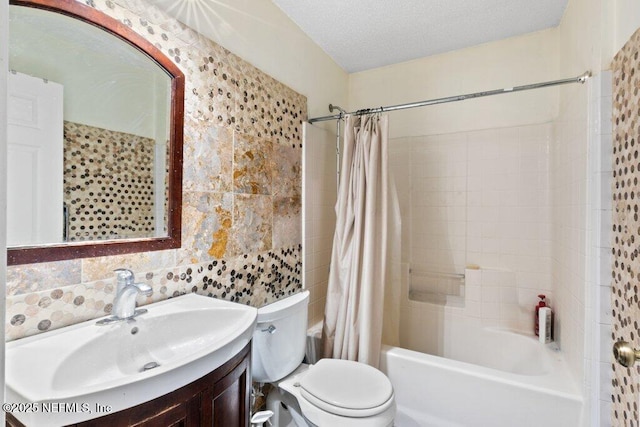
pixel 108 183
pixel 626 227
pixel 241 193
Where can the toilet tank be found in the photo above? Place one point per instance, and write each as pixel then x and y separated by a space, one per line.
pixel 279 338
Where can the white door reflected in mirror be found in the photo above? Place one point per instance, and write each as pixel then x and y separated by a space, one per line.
pixel 34 161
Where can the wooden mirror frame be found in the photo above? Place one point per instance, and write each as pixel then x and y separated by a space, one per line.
pixel 73 250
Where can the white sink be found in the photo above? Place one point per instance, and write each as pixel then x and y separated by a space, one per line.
pixel 179 340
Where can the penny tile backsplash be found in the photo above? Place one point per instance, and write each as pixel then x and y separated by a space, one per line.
pixel 626 228
pixel 241 222
pixel 108 192
pixel 254 279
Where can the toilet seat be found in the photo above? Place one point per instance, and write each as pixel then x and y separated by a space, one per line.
pixel 347 388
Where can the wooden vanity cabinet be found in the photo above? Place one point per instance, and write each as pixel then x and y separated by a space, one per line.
pixel 220 398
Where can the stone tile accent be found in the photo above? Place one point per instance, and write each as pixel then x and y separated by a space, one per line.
pixel 207 157
pixel 252 165
pixel 252 223
pixel 206 226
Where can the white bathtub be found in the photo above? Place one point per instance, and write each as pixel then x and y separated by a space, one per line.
pixel 492 378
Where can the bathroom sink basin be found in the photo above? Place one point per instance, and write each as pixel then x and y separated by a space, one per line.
pixel 88 368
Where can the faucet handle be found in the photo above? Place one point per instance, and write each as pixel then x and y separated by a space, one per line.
pixel 124 277
pixel 144 289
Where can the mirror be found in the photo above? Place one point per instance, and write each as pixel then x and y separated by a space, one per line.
pixel 94 154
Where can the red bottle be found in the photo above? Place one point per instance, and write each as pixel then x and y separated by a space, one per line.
pixel 540 304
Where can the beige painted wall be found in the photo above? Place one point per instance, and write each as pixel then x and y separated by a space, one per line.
pixel 511 62
pixel 608 23
pixel 318 214
pixel 4 55
pixel 260 33
pixel 626 17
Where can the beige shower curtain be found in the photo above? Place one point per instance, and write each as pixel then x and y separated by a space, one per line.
pixel 355 308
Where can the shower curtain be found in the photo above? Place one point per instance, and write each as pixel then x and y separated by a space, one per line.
pixel 365 248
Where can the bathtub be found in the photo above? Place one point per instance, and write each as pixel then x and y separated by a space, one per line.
pixel 490 378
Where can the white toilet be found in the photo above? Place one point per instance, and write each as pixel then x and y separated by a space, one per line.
pixel 331 393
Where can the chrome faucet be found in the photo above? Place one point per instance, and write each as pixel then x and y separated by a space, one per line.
pixel 124 303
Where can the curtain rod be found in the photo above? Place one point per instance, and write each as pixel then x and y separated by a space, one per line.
pixel 580 79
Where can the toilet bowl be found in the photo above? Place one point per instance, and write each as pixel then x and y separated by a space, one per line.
pixel 330 393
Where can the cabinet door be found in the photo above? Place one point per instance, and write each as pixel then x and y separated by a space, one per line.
pixel 170 410
pixel 185 414
pixel 226 404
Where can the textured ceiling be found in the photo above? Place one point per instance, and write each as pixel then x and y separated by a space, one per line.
pixel 365 34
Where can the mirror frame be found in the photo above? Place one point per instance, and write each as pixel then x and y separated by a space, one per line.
pixel 96 248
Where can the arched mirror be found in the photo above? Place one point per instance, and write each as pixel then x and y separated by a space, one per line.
pixel 95 119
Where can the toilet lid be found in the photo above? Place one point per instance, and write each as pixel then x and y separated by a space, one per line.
pixel 346 388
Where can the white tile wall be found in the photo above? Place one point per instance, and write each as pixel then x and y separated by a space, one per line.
pixel 599 342
pixel 491 298
pixel 437 226
pixel 319 198
pixel 569 161
pixel 481 198
pixel 400 167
